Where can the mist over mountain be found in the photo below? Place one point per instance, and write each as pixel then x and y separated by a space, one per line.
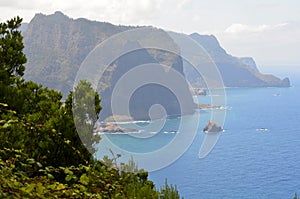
pixel 56 45
pixel 235 72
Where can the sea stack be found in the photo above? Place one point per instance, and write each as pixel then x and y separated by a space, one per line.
pixel 212 127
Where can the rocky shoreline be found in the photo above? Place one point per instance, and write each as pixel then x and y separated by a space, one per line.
pixel 111 128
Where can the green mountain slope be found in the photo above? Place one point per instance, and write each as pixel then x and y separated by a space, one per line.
pixel 56 46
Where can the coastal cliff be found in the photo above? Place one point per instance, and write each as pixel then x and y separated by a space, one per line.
pixel 56 45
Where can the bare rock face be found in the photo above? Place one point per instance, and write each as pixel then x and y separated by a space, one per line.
pixel 212 127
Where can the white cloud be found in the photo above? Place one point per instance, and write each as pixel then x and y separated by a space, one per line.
pixel 277 44
pixel 269 40
pixel 182 3
pixel 244 28
pixel 115 11
pixel 24 5
pixel 118 12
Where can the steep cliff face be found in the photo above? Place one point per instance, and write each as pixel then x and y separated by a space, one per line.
pixel 146 95
pixel 56 45
pixel 235 72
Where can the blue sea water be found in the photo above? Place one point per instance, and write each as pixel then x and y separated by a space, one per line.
pixel 246 162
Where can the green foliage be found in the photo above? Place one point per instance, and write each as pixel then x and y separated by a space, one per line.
pixel 169 192
pixel 30 171
pixel 34 118
pixel 85 181
pixel 84 105
pixel 38 122
pixel 41 153
pixel 12 57
pixel 129 167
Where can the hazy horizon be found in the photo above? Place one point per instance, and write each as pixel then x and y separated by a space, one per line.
pixel 268 31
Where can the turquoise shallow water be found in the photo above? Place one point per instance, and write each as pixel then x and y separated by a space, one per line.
pixel 246 162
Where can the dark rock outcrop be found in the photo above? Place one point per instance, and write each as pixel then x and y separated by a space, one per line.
pixel 147 95
pixel 212 127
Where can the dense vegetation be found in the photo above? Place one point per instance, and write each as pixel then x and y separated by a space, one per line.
pixel 41 153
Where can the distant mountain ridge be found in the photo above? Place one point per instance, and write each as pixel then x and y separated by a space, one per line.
pixel 56 45
pixel 235 72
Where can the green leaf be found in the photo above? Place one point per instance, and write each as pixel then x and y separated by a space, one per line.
pixel 67 171
pixel 50 176
pixel 68 178
pixel 39 164
pixel 6 125
pixel 29 188
pixel 67 141
pixel 61 186
pixel 84 179
pixel 52 186
pixel 30 161
pixel 12 121
pixel 40 188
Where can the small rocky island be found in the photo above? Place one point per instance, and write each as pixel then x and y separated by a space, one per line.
pixel 212 127
pixel 111 128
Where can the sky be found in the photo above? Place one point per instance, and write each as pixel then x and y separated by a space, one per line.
pixel 267 30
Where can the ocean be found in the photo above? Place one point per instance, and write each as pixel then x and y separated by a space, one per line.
pixel 257 156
